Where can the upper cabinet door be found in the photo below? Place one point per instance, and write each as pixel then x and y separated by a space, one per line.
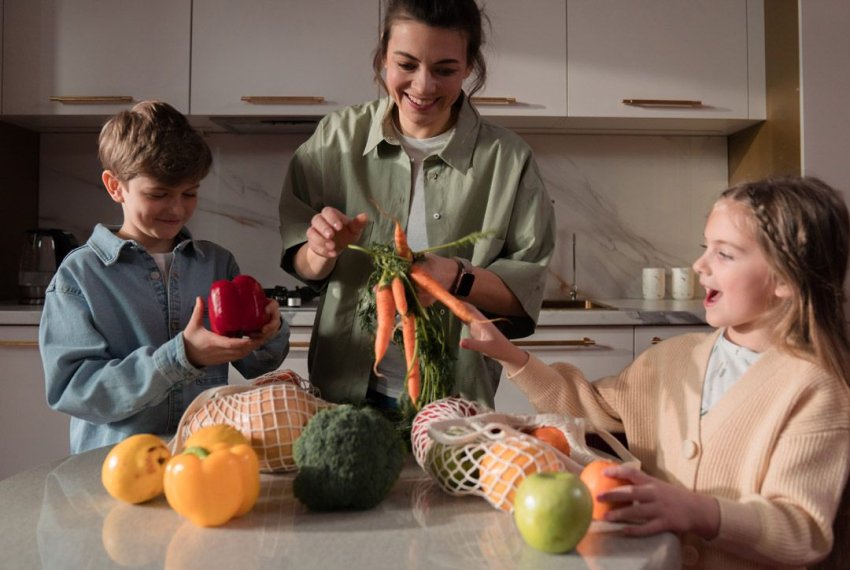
pixel 526 54
pixel 273 57
pixel 669 58
pixel 93 57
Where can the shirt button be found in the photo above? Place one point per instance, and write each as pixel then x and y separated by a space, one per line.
pixel 437 215
pixel 690 555
pixel 435 175
pixel 690 449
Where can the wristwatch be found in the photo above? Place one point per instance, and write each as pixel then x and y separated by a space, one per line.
pixel 464 280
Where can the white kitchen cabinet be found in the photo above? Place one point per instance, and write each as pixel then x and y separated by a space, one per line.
pixel 96 57
pixel 526 54
pixel 31 433
pixel 266 57
pixel 666 53
pixel 646 336
pixel 597 351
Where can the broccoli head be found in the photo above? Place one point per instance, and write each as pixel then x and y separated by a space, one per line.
pixel 348 457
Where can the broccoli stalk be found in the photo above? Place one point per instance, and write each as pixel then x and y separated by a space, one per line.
pixel 348 458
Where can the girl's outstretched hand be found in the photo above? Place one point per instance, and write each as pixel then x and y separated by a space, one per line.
pixel 657 506
pixel 485 338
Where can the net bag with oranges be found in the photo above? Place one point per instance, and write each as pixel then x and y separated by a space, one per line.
pixel 469 449
pixel 271 413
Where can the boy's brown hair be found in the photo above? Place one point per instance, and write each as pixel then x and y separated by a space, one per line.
pixel 153 139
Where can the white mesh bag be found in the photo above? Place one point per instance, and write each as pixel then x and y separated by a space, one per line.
pixel 271 413
pixel 489 454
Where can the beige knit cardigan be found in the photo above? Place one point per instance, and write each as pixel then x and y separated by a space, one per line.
pixel 774 451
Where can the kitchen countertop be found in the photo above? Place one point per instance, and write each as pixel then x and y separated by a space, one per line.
pixel 59 516
pixel 635 312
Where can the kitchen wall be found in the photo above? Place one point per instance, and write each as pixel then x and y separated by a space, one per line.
pixel 633 201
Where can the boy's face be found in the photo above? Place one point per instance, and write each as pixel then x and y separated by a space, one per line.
pixel 153 213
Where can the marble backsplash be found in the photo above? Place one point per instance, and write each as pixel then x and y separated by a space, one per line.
pixel 632 201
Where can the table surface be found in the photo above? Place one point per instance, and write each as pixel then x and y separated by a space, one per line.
pixel 59 516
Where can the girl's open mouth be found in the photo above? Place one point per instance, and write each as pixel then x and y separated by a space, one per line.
pixel 711 296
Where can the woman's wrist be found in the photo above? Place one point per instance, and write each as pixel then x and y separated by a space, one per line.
pixel 312 266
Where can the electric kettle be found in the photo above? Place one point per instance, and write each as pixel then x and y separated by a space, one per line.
pixel 42 251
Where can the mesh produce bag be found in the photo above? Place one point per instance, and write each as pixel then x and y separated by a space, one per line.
pixel 271 412
pixel 489 454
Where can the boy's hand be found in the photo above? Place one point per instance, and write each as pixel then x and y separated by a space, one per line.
pixel 489 341
pixel 658 506
pixel 271 328
pixel 205 348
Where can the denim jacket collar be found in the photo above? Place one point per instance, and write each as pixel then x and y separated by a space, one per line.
pixel 106 244
pixel 457 152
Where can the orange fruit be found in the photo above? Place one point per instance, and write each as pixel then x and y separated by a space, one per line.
pixel 553 436
pixel 507 463
pixel 598 483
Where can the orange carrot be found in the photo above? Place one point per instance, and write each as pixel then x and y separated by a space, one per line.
pixel 414 381
pixel 430 285
pixel 399 296
pixel 402 249
pixel 385 316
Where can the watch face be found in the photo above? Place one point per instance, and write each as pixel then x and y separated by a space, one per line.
pixel 465 285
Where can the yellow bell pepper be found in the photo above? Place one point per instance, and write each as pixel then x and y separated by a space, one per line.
pixel 209 487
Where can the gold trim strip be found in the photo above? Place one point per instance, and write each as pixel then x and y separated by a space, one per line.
pixel 283 100
pixel 92 99
pixel 542 343
pixel 493 100
pixel 662 103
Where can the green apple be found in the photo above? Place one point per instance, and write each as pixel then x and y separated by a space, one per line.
pixel 455 468
pixel 552 511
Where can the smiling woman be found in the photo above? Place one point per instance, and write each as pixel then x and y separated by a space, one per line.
pixel 423 157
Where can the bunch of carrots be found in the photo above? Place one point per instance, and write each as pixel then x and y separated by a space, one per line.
pixel 391 292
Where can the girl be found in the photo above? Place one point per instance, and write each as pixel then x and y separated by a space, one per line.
pixel 744 433
pixel 424 156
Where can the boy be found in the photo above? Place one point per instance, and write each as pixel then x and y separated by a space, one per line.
pixel 122 334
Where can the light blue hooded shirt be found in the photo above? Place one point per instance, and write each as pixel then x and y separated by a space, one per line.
pixel 111 337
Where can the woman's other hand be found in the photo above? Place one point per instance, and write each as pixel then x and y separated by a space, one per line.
pixel 442 269
pixel 331 232
pixel 485 338
pixel 206 348
pixel 656 506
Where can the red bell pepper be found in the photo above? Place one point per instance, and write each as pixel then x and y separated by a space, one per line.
pixel 237 307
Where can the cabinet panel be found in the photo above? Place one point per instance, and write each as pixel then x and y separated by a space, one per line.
pixel 645 337
pixel 31 434
pixel 526 55
pixel 91 48
pixel 267 48
pixel 661 50
pixel 611 351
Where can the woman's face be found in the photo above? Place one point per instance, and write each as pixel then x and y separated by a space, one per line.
pixel 425 68
pixel 734 271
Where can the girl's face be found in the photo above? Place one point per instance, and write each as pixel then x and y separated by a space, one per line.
pixel 739 284
pixel 426 68
pixel 153 213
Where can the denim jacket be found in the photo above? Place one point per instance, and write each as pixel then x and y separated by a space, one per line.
pixel 111 337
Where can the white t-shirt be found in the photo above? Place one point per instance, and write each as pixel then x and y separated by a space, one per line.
pixel 163 261
pixel 727 363
pixel 393 366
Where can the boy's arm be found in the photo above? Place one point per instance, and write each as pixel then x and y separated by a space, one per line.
pixel 268 357
pixel 84 380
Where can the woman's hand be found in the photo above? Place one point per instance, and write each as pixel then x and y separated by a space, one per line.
pixel 657 506
pixel 489 341
pixel 331 231
pixel 442 269
pixel 205 348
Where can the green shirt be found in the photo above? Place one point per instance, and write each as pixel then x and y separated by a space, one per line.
pixel 485 178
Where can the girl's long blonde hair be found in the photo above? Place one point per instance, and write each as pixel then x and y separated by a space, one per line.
pixel 802 225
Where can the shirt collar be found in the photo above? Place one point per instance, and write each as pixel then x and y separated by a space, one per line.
pixel 458 150
pixel 106 244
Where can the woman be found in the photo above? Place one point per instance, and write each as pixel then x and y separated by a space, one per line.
pixel 424 157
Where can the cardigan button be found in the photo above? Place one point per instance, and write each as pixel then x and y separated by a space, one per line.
pixel 690 449
pixel 690 555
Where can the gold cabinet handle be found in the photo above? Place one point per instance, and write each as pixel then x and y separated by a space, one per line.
pixel 655 340
pixel 283 100
pixel 92 99
pixel 18 344
pixel 493 100
pixel 299 344
pixel 662 103
pixel 535 343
